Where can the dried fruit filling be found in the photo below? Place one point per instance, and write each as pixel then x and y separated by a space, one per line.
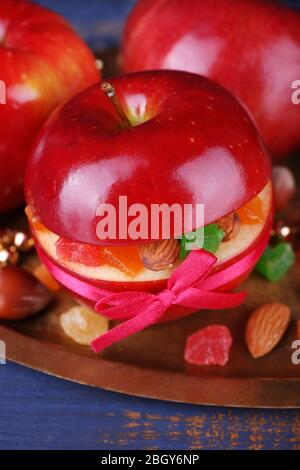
pixel 253 212
pixel 127 259
pixel 123 258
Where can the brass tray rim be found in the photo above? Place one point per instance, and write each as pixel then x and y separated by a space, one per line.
pixel 153 383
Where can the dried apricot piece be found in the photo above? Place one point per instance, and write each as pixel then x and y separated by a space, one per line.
pixel 123 258
pixel 46 278
pixel 252 213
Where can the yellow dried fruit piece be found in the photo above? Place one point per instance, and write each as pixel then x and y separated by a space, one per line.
pixel 83 325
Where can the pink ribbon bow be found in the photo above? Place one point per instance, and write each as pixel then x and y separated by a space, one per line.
pixel 188 286
pixel 191 285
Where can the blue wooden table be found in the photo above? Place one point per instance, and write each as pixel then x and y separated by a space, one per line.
pixel 42 412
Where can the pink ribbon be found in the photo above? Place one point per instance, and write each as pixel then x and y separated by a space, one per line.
pixel 191 285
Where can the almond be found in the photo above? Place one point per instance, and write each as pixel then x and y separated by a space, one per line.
pixel 230 225
pixel 265 328
pixel 159 255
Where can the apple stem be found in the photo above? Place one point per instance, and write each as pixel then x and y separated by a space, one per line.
pixel 110 92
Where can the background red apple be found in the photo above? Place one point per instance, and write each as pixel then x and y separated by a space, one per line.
pixel 43 62
pixel 252 47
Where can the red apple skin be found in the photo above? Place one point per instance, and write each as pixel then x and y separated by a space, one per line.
pixel 252 47
pixel 197 142
pixel 43 63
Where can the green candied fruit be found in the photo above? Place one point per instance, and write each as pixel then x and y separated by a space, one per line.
pixel 211 237
pixel 276 261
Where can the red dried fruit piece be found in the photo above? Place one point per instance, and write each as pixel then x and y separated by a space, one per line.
pixel 67 250
pixel 209 346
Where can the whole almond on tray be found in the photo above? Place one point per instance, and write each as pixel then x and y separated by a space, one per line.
pixel 265 328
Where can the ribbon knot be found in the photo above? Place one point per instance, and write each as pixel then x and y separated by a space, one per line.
pixel 192 285
pixel 167 297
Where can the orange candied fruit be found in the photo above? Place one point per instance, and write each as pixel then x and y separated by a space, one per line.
pixel 42 273
pixel 252 213
pixel 123 258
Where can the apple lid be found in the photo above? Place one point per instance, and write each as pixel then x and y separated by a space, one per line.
pixel 191 142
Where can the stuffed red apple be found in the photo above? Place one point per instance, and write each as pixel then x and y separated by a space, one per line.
pixel 43 63
pixel 252 47
pixel 164 138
